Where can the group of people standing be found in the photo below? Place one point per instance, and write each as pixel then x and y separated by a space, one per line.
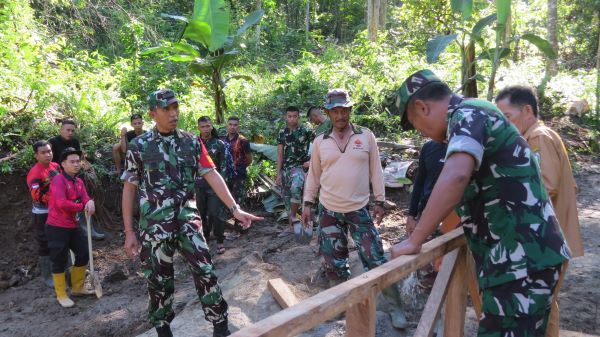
pixel 521 223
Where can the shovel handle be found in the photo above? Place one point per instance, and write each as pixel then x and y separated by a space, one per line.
pixel 88 220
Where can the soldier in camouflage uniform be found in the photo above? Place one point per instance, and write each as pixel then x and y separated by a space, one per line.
pixel 211 209
pixel 493 178
pixel 292 158
pixel 164 163
pixel 320 122
pixel 344 162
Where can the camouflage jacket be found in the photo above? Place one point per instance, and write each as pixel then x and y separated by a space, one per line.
pixel 165 168
pixel 220 154
pixel 507 217
pixel 322 128
pixel 295 145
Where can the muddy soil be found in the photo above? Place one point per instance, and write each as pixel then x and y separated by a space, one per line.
pixel 30 309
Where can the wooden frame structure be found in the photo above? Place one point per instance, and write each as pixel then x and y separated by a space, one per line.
pixel 357 297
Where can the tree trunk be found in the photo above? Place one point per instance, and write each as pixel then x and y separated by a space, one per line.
pixel 218 96
pixel 372 19
pixel 258 7
pixel 307 19
pixel 551 65
pixel 469 71
pixel 598 73
pixel 382 13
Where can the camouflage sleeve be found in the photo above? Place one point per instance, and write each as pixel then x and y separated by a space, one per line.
pixel 221 157
pixel 133 165
pixel 467 133
pixel 281 138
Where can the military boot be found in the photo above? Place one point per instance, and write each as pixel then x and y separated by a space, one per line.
pixel 164 331
pixel 397 315
pixel 221 329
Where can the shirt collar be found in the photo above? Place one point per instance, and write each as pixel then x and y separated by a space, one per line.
pixel 73 179
pixel 531 128
pixel 156 134
pixel 355 130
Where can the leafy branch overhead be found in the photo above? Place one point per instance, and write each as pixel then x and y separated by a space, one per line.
pixel 207 45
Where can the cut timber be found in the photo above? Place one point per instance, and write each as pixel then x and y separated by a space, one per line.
pixel 333 301
pixel 395 146
pixel 437 296
pixel 361 319
pixel 473 285
pixel 456 300
pixel 282 293
pixel 270 184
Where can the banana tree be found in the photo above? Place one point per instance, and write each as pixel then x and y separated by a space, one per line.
pixel 206 45
pixel 500 51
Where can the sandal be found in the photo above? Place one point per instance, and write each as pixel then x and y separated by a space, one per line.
pixel 220 249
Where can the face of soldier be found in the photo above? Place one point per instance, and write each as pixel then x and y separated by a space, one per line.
pixel 340 117
pixel 166 118
pixel 291 118
pixel 71 164
pixel 44 155
pixel 205 129
pixel 233 127
pixel 521 116
pixel 429 118
pixel 137 124
pixel 67 131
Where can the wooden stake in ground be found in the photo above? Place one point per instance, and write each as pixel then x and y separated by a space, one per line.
pixel 282 293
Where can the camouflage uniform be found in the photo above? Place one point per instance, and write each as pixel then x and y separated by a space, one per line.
pixel 295 154
pixel 507 217
pixel 165 168
pixel 322 128
pixel 333 241
pixel 211 208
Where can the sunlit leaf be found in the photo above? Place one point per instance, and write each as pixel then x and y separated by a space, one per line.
pixel 437 45
pixel 465 7
pixel 543 45
pixel 481 24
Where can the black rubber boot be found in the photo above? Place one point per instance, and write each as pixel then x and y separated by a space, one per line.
pixel 221 329
pixel 164 331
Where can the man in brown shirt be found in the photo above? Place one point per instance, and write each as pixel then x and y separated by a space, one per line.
pixel 519 104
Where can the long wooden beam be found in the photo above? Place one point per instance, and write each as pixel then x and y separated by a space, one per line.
pixel 331 302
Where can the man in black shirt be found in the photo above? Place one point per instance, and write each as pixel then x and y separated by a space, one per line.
pixel 64 140
pixel 119 149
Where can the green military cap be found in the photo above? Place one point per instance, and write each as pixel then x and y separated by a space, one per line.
pixel 337 98
pixel 411 86
pixel 161 98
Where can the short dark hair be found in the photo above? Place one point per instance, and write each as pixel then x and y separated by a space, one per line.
pixel 204 119
pixel 434 91
pixel 67 121
pixel 292 108
pixel 519 95
pixel 135 116
pixel 309 111
pixel 233 118
pixel 39 144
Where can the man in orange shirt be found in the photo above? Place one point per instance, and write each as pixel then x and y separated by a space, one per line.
pixel 520 106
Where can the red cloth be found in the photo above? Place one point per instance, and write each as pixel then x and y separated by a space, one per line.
pixel 68 196
pixel 38 182
pixel 204 161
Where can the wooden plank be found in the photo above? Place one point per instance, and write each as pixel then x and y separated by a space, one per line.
pixel 456 301
pixel 282 293
pixel 361 319
pixel 436 297
pixel 395 146
pixel 473 285
pixel 331 302
pixel 270 184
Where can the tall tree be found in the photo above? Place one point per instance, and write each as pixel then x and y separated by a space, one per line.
pixel 551 65
pixel 598 71
pixel 307 18
pixel 373 19
pixel 383 5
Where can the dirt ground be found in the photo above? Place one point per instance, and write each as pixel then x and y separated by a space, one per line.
pixel 30 309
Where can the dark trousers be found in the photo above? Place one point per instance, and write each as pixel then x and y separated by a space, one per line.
pixel 212 212
pixel 60 240
pixel 39 224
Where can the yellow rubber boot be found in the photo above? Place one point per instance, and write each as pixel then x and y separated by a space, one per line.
pixel 78 282
pixel 60 287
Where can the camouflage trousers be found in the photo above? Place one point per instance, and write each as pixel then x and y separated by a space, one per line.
pixel 157 266
pixel 292 181
pixel 212 211
pixel 519 308
pixel 333 241
pixel 237 187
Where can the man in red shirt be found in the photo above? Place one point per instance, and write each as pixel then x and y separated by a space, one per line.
pixel 68 197
pixel 38 182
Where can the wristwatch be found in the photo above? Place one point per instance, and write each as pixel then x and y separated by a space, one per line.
pixel 234 208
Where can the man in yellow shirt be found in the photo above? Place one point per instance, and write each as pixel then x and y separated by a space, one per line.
pixel 520 106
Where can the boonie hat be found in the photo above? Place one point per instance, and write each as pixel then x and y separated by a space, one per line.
pixel 337 98
pixel 410 87
pixel 161 98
